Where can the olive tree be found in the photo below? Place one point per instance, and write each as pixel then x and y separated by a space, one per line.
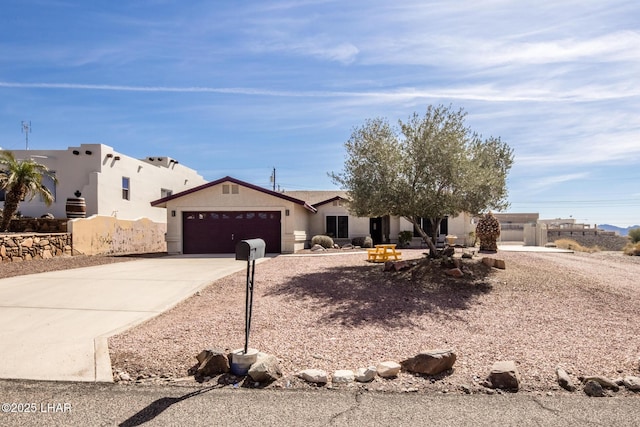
pixel 430 166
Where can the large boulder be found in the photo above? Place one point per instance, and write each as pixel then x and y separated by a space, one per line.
pixel 343 376
pixel 317 376
pixel 211 363
pixel 388 369
pixel 430 362
pixel 564 380
pixel 265 369
pixel 632 383
pixel 364 375
pixel 504 375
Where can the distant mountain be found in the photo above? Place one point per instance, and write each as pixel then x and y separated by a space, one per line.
pixel 621 231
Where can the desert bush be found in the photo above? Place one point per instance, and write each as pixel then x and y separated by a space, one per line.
pixel 575 246
pixel 634 235
pixel 363 242
pixel 405 237
pixel 632 249
pixel 322 240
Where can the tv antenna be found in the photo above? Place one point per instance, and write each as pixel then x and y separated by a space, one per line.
pixel 26 128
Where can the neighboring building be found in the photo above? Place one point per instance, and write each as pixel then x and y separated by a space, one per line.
pixel 111 183
pixel 213 217
pixel 522 228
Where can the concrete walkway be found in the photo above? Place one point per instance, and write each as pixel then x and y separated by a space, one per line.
pixel 54 326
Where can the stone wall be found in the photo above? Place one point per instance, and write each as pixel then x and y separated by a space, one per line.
pixel 27 246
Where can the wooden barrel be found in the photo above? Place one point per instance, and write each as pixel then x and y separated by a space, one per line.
pixel 76 207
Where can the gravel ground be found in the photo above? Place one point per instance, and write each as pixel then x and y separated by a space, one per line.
pixel 577 311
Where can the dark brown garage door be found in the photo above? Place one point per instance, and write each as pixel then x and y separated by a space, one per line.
pixel 209 232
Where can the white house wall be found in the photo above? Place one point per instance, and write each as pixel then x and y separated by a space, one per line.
pixel 99 179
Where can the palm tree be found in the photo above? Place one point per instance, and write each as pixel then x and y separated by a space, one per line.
pixel 21 179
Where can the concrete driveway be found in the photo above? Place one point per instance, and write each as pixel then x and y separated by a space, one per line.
pixel 54 326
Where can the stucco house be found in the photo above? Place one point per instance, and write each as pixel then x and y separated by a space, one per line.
pixel 213 217
pixel 111 183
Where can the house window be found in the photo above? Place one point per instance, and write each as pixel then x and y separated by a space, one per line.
pixel 425 224
pixel 230 189
pixel 126 190
pixel 338 226
pixel 164 192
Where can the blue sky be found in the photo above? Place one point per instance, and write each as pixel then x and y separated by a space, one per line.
pixel 240 87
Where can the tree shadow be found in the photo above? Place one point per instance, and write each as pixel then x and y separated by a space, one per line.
pixel 365 294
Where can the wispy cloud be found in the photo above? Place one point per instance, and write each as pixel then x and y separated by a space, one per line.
pixel 483 92
pixel 546 183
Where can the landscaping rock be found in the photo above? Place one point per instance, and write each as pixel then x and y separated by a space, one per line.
pixel 564 381
pixel 604 382
pixel 454 272
pixel 430 362
pixel 593 389
pixel 364 375
pixel 488 261
pixel 343 376
pixel 317 248
pixel 467 255
pixel 265 369
pixel 504 375
pixel 317 376
pixel 212 362
pixel 499 263
pixel 631 383
pixel 388 369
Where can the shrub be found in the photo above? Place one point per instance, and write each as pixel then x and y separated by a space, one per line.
pixel 322 240
pixel 634 235
pixel 363 242
pixel 405 237
pixel 632 249
pixel 575 246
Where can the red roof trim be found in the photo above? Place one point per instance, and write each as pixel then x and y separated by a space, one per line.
pixel 235 181
pixel 329 201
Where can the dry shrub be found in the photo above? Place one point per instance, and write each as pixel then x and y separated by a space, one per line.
pixel 575 246
pixel 632 249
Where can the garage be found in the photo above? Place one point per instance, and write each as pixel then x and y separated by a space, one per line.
pixel 218 232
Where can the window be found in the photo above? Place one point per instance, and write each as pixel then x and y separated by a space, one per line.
pixel 164 192
pixel 126 190
pixel 425 223
pixel 230 189
pixel 338 226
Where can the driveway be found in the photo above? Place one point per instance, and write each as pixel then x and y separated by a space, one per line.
pixel 55 325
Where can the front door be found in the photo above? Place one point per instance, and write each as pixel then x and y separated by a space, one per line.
pixel 375 230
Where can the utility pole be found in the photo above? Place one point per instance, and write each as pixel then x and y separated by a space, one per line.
pixel 26 128
pixel 273 178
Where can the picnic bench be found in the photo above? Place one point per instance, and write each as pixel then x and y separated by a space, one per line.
pixel 383 253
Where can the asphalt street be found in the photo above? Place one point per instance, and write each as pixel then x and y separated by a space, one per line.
pixel 28 403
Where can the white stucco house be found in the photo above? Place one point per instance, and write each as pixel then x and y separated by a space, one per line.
pixel 213 217
pixel 111 183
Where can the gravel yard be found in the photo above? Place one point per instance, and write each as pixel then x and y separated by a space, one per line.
pixel 577 311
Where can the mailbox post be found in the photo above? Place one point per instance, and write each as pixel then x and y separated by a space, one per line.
pixel 249 250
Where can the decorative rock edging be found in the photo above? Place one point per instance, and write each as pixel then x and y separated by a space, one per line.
pixel 432 365
pixel 25 247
